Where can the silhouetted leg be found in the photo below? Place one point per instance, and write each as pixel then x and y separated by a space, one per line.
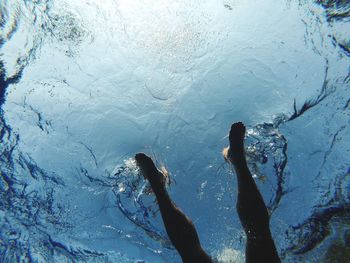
pixel 180 229
pixel 251 208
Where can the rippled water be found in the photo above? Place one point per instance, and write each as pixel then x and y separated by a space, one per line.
pixel 86 84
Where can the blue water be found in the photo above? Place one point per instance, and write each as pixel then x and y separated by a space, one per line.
pixel 86 84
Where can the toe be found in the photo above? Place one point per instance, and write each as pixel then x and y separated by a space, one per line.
pixel 142 158
pixel 145 163
pixel 237 131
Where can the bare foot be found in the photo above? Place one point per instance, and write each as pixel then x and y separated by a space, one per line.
pixel 150 171
pixel 235 153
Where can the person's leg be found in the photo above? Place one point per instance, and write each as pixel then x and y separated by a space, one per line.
pixel 180 229
pixel 251 208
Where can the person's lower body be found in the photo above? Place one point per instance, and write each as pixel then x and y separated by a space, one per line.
pixel 250 207
pixel 179 227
